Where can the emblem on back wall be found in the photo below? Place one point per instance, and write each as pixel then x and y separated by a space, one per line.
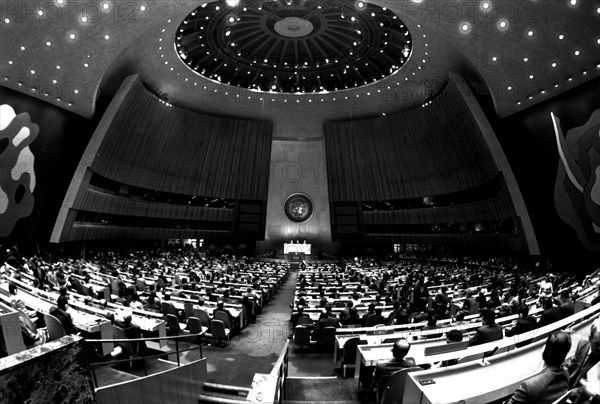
pixel 577 188
pixel 17 176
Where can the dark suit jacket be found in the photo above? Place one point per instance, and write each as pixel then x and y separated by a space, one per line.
pixel 66 320
pixel 577 370
pixel 549 316
pixel 523 325
pixel 486 333
pixel 385 369
pixel 542 388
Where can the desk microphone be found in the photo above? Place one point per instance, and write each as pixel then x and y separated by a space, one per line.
pixel 484 362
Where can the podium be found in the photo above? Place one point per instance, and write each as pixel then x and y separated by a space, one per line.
pixel 295 253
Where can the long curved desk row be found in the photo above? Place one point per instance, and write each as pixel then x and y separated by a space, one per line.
pixel 475 382
pixel 369 355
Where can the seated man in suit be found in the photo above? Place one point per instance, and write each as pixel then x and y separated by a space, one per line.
pixel 550 313
pixel 133 331
pixel 524 324
pixel 375 319
pixel 489 331
pixel 586 356
pixel 385 369
pixel 63 316
pixel 233 320
pixel 297 316
pixel 567 306
pixel 553 381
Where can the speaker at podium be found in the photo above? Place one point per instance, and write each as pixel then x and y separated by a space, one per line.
pixel 296 253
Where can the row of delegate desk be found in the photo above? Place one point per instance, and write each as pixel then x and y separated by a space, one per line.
pixel 476 381
pixel 422 342
pixel 88 318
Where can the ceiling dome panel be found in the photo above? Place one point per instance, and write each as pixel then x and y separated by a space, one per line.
pixel 293 46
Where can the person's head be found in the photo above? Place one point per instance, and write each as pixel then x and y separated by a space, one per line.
pixel 431 320
pixel 557 347
pixel 523 311
pixel 460 315
pixel 454 336
pixel 220 305
pixel 200 301
pixel 62 302
pixel 488 316
pixel 300 309
pixel 371 307
pixel 595 336
pixel 12 288
pixel 547 303
pixel 349 304
pixel 400 348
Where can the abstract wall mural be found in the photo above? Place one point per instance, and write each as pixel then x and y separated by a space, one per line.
pixel 17 174
pixel 577 187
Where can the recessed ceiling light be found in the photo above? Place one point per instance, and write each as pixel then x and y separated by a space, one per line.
pixel 509 88
pixel 10 62
pixel 577 53
pixel 71 36
pixel 494 58
pixel 7 20
pixel 561 37
pixel 531 76
pixel 32 71
pixel 48 43
pixel 573 2
pixel 107 37
pixel 105 6
pixel 486 5
pixel 525 59
pixel 57 67
pixel 465 27
pixel 40 12
pixel 54 82
pixel 530 33
pixel 143 8
pixel 22 48
pixel 84 18
pixel 598 41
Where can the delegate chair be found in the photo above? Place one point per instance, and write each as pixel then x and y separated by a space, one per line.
pixel 194 326
pixel 222 316
pixel 219 331
pixel 203 317
pixel 393 392
pixel 301 336
pixel 349 354
pixel 189 309
pixel 174 326
pixel 54 326
pixel 168 308
pixel 327 336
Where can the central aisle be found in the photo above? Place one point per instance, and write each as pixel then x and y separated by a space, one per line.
pixel 258 346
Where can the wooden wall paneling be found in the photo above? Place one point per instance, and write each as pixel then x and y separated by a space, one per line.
pixel 405 155
pixel 154 146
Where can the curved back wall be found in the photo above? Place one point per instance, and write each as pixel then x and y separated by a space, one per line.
pixel 170 158
pixel 155 146
pixel 424 151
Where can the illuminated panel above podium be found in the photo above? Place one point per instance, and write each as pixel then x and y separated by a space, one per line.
pixel 291 248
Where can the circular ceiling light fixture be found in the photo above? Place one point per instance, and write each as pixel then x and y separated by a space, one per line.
pixel 298 46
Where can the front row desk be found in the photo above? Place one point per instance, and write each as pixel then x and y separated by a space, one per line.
pixel 476 380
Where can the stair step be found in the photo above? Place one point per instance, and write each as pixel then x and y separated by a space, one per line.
pixel 226 388
pixel 204 398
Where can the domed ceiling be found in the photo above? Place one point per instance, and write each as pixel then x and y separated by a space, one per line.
pixel 294 46
pixel 521 52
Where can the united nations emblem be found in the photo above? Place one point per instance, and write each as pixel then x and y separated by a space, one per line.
pixel 298 208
